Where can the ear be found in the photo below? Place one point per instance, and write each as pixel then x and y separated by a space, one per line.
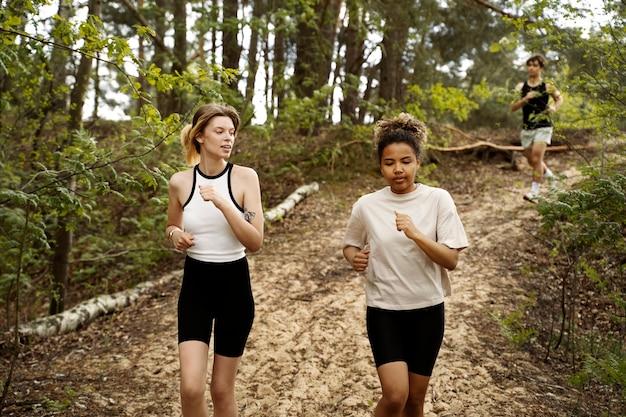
pixel 199 139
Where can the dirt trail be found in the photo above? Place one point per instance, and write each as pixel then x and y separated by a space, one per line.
pixel 308 353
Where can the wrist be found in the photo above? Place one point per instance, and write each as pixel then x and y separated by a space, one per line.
pixel 171 233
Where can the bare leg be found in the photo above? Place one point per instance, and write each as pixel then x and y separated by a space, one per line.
pixel 193 370
pixel 394 379
pixel 418 385
pixel 223 386
pixel 535 156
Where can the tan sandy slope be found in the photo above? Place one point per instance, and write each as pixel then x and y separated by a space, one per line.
pixel 308 354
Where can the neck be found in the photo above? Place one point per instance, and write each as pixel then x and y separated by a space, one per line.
pixel 212 167
pixel 534 80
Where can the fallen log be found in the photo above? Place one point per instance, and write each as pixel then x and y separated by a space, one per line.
pixel 85 312
pixel 279 212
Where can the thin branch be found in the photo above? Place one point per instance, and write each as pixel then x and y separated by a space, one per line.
pixel 505 147
pixel 16 342
pixel 157 39
pixel 502 12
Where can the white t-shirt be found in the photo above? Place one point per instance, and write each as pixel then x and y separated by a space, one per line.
pixel 399 274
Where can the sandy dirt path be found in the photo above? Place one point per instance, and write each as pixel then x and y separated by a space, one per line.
pixel 308 353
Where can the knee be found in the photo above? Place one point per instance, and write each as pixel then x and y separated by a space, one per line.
pixel 415 405
pixel 222 394
pixel 192 394
pixel 532 159
pixel 396 399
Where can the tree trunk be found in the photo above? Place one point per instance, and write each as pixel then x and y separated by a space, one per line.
pixel 160 55
pixel 60 263
pixel 353 63
pixel 279 63
pixel 253 63
pixel 64 235
pixel 54 100
pixel 177 100
pixel 316 36
pixel 231 49
pixel 214 13
pixel 141 54
pixel 394 43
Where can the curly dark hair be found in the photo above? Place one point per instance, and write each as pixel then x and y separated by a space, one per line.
pixel 403 128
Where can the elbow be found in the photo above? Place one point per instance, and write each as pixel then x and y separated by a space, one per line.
pixel 451 261
pixel 254 247
pixel 449 264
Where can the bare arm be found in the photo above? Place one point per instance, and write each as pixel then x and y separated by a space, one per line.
pixel 556 96
pixel 174 229
pixel 518 104
pixel 437 252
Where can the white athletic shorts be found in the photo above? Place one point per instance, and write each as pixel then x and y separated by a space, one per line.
pixel 530 136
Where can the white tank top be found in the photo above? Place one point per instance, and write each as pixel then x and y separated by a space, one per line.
pixel 214 239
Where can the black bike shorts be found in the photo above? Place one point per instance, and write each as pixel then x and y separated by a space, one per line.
pixel 410 336
pixel 216 294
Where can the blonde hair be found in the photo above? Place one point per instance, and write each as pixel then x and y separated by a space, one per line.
pixel 201 118
pixel 402 128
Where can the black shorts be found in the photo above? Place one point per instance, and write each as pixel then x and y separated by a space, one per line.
pixel 411 336
pixel 220 293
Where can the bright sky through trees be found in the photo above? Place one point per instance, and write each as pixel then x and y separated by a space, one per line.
pixel 593 10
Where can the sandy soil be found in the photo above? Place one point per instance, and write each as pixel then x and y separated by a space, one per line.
pixel 308 353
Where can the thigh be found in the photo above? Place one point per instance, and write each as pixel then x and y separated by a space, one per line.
pixel 235 315
pixel 394 380
pixel 385 333
pixel 193 357
pixel 527 137
pixel 224 373
pixel 195 309
pixel 425 338
pixel 418 386
pixel 538 149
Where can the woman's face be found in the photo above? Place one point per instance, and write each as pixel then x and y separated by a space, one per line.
pixel 399 165
pixel 218 137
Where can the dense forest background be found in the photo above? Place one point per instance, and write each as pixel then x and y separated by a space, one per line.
pixel 93 96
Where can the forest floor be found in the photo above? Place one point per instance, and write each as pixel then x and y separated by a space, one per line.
pixel 308 353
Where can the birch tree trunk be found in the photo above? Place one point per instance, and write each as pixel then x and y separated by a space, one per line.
pixel 278 212
pixel 85 312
